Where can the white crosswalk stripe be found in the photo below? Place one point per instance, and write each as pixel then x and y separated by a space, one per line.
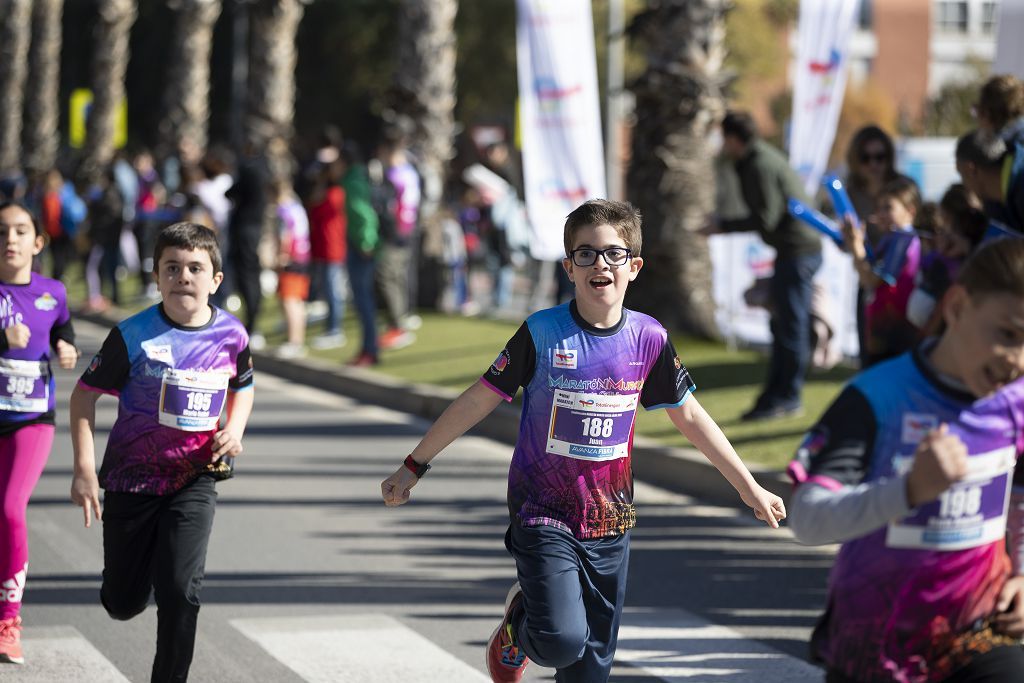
pixel 61 653
pixel 363 648
pixel 679 646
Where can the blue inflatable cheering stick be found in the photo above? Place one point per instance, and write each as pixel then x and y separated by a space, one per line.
pixel 818 221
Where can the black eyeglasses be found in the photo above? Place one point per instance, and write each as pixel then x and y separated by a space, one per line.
pixel 867 158
pixel 613 256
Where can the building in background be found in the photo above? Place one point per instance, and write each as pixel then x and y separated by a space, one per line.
pixel 911 48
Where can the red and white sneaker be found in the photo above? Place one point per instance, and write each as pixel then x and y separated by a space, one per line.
pixel 10 641
pixel 506 662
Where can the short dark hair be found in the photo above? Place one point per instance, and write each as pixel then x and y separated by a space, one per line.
pixel 996 267
pixel 622 216
pixel 15 204
pixel 964 208
pixel 190 236
pixel 982 149
pixel 1001 99
pixel 740 125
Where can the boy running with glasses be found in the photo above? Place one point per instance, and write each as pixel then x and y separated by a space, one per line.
pixel 586 366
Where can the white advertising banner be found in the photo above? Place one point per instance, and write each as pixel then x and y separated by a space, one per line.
pixel 559 114
pixel 823 39
pixel 1009 46
pixel 741 259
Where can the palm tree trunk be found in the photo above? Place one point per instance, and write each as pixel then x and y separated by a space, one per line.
pixel 272 59
pixel 41 137
pixel 110 61
pixel 424 87
pixel 186 99
pixel 679 101
pixel 15 29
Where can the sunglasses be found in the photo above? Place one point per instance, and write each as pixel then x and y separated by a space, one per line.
pixel 880 157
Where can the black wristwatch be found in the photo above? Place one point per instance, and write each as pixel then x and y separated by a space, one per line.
pixel 414 467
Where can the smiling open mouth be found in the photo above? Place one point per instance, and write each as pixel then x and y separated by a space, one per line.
pixel 600 282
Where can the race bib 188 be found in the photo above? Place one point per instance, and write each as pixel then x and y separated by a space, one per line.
pixel 591 426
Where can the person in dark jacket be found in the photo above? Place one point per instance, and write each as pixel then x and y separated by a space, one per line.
pixel 767 182
pixel 248 196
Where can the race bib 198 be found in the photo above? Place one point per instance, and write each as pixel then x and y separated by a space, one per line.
pixel 968 514
pixel 24 386
pixel 591 426
pixel 192 401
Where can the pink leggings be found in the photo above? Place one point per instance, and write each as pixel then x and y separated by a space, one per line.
pixel 23 455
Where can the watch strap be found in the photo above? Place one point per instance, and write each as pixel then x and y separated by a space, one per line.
pixel 415 467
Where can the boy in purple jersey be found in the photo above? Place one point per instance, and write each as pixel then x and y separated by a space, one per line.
pixel 586 366
pixel 914 470
pixel 34 318
pixel 175 367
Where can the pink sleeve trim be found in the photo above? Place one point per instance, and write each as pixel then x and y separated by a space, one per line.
pixel 796 472
pixel 109 392
pixel 496 390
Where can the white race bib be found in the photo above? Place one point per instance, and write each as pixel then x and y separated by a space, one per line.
pixel 591 426
pixel 24 386
pixel 192 401
pixel 970 513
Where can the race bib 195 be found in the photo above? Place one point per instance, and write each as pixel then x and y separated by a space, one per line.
pixel 192 401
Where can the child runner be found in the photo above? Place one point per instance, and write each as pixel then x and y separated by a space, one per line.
pixel 34 317
pixel 890 278
pixel 174 367
pixel 293 268
pixel 585 366
pixel 910 469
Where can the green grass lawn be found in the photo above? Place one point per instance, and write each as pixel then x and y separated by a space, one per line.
pixel 453 351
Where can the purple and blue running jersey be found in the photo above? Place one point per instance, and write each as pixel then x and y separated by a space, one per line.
pixel 172 382
pixel 571 466
pixel 26 379
pixel 912 601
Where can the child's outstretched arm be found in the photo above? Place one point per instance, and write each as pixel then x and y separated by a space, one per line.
pixel 228 441
pixel 85 486
pixel 473 405
pixel 695 424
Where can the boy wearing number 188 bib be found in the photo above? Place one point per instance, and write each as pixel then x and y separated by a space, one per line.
pixel 586 368
pixel 175 367
pixel 914 470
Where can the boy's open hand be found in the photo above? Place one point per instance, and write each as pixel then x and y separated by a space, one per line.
pixel 1010 605
pixel 18 335
pixel 939 461
pixel 767 507
pixel 67 354
pixel 395 489
pixel 85 492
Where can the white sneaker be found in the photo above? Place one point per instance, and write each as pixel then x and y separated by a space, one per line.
pixel 289 351
pixel 411 323
pixel 257 342
pixel 335 340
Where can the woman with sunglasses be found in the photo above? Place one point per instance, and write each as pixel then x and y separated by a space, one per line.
pixel 871 160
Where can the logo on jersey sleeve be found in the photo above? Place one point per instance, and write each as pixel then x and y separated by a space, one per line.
pixel 500 363
pixel 46 302
pixel 564 358
pixel 95 364
pixel 916 426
